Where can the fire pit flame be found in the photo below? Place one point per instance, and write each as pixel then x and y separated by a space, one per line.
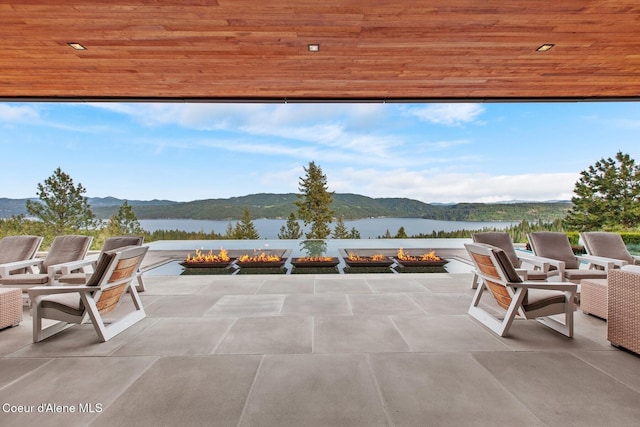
pixel 200 258
pixel 429 256
pixel 315 259
pixel 259 258
pixel 376 257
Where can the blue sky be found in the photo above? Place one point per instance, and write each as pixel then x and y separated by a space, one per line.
pixel 430 152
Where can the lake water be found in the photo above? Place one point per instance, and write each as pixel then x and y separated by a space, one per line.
pixel 369 228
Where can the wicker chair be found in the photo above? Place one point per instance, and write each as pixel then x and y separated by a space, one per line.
pixel 623 292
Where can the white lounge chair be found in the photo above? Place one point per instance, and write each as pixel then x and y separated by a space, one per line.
pixel 17 249
pixel 602 246
pixel 555 248
pixel 45 271
pixel 68 277
pixel 527 299
pixel 528 267
pixel 107 286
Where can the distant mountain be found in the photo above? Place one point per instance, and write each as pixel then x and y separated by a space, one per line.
pixel 351 206
pixel 97 202
pixel 11 207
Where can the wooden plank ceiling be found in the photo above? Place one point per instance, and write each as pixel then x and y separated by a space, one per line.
pixel 369 49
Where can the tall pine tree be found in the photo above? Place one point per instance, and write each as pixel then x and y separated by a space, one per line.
pixel 62 206
pixel 245 229
pixel 292 229
pixel 124 221
pixel 607 196
pixel 314 204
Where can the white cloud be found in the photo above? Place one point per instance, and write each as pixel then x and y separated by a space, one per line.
pixel 625 123
pixel 434 186
pixel 448 114
pixel 18 113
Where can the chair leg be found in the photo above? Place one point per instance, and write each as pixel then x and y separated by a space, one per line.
pixel 140 287
pixel 39 333
pixel 499 327
pixel 106 332
pixel 474 281
pixel 566 327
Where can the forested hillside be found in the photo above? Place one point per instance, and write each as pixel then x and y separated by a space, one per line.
pixel 351 206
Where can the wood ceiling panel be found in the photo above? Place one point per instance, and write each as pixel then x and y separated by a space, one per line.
pixel 243 49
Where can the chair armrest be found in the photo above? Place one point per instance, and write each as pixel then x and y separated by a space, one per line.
pixel 6 269
pixel 51 290
pixel 68 267
pixel 542 263
pixel 550 286
pixel 606 263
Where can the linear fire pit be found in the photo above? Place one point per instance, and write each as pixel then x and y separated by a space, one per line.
pixel 366 261
pixel 315 262
pixel 262 262
pixel 425 262
pixel 220 259
pixel 313 265
pixel 427 258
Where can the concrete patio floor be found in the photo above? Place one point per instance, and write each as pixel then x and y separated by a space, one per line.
pixel 317 350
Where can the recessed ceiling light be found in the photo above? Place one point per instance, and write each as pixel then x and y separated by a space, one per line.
pixel 76 46
pixel 545 47
pixel 314 47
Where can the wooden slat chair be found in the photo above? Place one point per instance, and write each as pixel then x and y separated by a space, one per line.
pixel 528 267
pixel 527 299
pixel 68 277
pixel 109 284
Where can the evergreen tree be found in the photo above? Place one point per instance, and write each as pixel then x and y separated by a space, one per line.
pixel 314 204
pixel 62 206
pixel 230 233
pixel 245 229
pixel 292 229
pixel 387 235
pixel 354 234
pixel 314 248
pixel 124 222
pixel 401 234
pixel 340 231
pixel 607 196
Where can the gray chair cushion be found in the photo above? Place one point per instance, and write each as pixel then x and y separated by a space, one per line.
pixel 25 279
pixel 536 275
pixel 554 245
pixel 540 298
pixel 501 240
pixel 65 249
pixel 575 275
pixel 67 303
pixel 101 267
pixel 608 245
pixel 73 279
pixel 121 241
pixel 18 248
pixel 508 269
